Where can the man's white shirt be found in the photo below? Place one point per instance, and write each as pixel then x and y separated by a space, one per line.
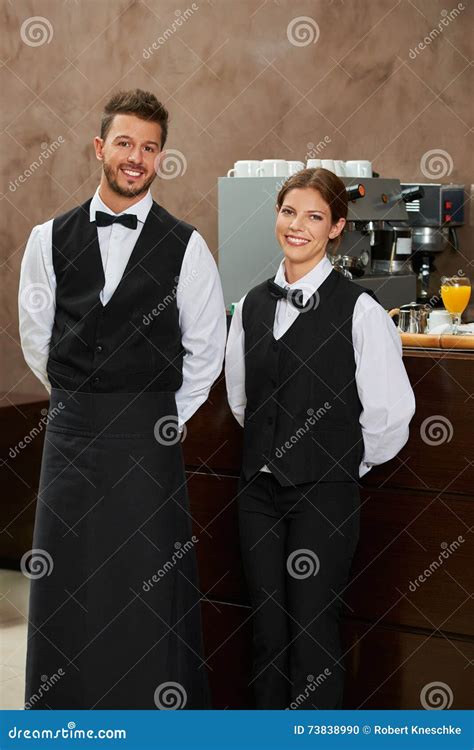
pixel 199 299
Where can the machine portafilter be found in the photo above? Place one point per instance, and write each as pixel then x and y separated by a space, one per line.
pixel 350 265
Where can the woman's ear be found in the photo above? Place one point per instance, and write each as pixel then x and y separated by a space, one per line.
pixel 337 228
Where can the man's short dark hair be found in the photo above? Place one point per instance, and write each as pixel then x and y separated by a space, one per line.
pixel 142 104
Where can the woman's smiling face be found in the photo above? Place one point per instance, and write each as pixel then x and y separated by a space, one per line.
pixel 304 226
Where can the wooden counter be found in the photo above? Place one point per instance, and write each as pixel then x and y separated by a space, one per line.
pixel 398 637
pixel 445 341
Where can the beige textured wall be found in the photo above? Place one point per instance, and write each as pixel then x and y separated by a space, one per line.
pixel 241 79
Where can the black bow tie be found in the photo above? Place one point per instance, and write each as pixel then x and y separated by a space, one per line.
pixel 294 296
pixel 103 219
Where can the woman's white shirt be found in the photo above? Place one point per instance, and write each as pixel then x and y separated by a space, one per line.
pixel 385 392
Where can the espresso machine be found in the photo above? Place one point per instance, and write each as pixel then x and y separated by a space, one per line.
pixel 433 218
pixel 375 250
pixel 376 246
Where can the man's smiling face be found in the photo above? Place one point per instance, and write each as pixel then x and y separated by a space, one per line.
pixel 129 154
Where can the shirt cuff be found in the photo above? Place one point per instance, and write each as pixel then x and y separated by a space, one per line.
pixel 364 468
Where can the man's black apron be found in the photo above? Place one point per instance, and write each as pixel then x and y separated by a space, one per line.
pixel 114 620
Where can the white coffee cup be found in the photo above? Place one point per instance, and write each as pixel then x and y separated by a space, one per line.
pixel 358 168
pixel 438 318
pixel 313 164
pixel 294 166
pixel 340 168
pixel 274 168
pixel 245 168
pixel 328 164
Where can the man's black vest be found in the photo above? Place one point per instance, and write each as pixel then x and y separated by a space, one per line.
pixel 303 408
pixel 134 342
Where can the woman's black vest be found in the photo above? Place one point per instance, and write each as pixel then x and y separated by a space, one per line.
pixel 303 407
pixel 134 342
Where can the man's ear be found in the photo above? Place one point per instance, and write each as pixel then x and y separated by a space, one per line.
pixel 99 147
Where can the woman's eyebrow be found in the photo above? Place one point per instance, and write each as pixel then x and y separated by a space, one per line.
pixel 311 211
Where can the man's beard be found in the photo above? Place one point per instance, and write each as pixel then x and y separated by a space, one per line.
pixel 128 192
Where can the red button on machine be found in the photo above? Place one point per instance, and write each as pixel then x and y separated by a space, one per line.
pixel 448 204
pixel 448 217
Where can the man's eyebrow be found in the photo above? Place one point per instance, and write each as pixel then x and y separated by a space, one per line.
pixel 131 139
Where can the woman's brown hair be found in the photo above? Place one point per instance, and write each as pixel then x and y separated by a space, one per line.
pixel 142 104
pixel 331 188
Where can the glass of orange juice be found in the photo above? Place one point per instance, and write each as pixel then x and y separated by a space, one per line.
pixel 455 293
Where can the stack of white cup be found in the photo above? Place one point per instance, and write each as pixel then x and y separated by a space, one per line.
pixel 284 168
pixel 265 168
pixel 354 168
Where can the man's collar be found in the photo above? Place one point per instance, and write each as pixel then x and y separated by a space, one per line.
pixel 140 209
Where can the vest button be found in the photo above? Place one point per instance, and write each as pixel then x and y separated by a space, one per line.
pixel 98 348
pixel 275 346
pixel 270 420
pixel 96 379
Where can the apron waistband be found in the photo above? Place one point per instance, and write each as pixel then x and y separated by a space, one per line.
pixel 111 414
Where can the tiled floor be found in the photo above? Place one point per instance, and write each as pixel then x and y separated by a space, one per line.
pixel 14 589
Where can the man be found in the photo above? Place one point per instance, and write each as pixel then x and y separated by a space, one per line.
pixel 122 318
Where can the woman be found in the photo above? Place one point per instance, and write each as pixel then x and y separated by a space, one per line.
pixel 315 376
